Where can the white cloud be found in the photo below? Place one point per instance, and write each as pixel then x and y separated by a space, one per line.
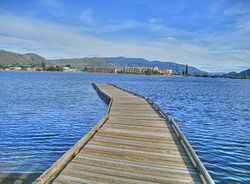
pixel 238 8
pixel 50 3
pixel 54 7
pixel 58 41
pixel 87 17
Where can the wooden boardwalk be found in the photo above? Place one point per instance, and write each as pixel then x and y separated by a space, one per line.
pixel 132 144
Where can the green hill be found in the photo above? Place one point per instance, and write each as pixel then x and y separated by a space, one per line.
pixel 126 62
pixel 11 58
pixel 241 75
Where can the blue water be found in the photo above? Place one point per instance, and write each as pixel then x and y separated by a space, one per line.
pixel 41 116
pixel 44 114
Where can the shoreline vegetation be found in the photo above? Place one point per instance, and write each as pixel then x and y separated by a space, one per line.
pixel 11 61
pixel 43 67
pixel 92 69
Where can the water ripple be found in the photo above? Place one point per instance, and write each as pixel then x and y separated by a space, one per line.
pixel 214 114
pixel 43 114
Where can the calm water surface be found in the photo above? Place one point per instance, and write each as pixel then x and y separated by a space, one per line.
pixel 44 114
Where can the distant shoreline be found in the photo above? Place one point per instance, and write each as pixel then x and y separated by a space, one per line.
pixel 34 62
pixel 78 72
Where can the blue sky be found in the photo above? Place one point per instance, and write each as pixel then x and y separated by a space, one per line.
pixel 211 35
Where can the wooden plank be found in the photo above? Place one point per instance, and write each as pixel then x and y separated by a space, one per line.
pixel 133 119
pixel 135 157
pixel 168 150
pixel 134 115
pixel 137 122
pixel 82 167
pixel 135 145
pixel 138 128
pixel 164 168
pixel 136 133
pixel 138 138
pixel 138 143
pixel 130 167
pixel 150 152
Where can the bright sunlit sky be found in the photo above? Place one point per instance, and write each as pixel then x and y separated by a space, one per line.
pixel 211 35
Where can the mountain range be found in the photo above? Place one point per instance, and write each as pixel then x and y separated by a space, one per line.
pixel 12 58
pixel 245 74
pixel 126 62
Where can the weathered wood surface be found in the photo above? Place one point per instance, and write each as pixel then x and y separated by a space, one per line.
pixel 134 145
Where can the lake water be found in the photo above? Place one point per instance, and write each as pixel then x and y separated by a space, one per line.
pixel 43 114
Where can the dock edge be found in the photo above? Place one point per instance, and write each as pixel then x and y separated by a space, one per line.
pixel 54 170
pixel 198 165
